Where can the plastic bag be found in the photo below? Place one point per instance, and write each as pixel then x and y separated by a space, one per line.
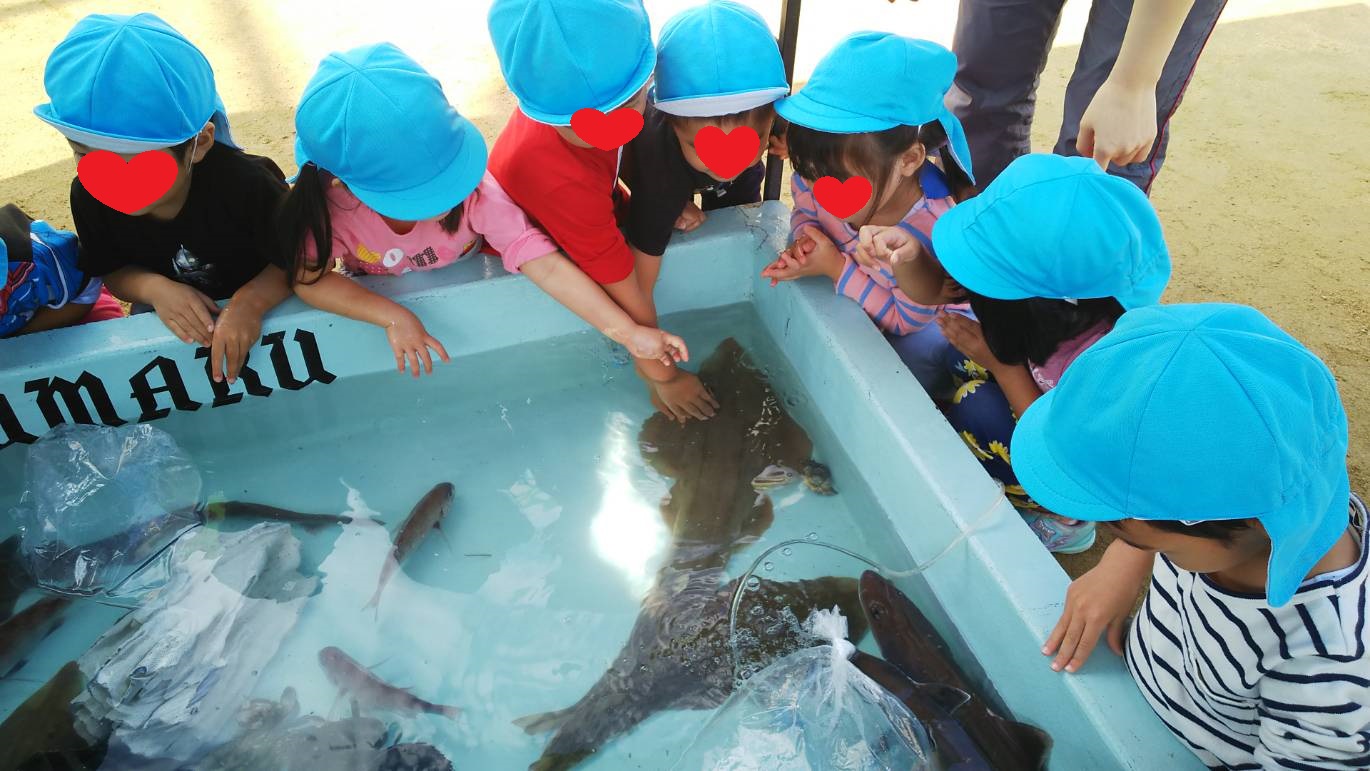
pixel 812 710
pixel 99 502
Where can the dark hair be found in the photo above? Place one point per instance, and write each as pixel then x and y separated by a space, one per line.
pixel 753 117
pixel 817 154
pixel 1224 530
pixel 1023 331
pixel 304 214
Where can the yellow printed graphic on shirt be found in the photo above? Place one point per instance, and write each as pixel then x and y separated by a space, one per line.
pixel 366 255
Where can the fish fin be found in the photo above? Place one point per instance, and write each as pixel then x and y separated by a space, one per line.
pixel 544 722
pixel 947 697
pixel 1033 743
pixel 762 517
pixel 449 711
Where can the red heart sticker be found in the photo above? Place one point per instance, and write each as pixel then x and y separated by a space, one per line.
pixel 127 187
pixel 607 132
pixel 842 199
pixel 727 155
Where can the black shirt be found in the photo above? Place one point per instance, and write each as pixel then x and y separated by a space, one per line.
pixel 662 182
pixel 222 238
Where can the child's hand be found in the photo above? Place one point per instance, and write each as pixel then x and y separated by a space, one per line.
pixel 778 146
pixel 969 338
pixel 684 397
pixel 690 217
pixel 186 311
pixel 879 247
pixel 1098 601
pixel 652 343
pixel 238 329
pixel 811 254
pixel 410 342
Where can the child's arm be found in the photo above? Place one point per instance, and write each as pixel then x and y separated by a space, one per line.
pixel 1097 602
pixel 240 322
pixel 556 275
pixel 336 293
pixel 46 318
pixel 1015 379
pixel 185 310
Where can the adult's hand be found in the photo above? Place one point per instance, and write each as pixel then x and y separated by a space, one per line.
pixel 1119 126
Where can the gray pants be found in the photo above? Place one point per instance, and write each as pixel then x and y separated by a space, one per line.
pixel 1002 46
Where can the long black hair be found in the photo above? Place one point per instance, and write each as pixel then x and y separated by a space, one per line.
pixel 817 154
pixel 303 215
pixel 1030 331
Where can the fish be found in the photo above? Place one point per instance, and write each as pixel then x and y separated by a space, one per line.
pixel 356 743
pixel 226 510
pixel 679 654
pixel 14 578
pixel 41 733
pixel 426 516
pixel 23 631
pixel 932 705
pixel 358 681
pixel 908 641
pixel 265 713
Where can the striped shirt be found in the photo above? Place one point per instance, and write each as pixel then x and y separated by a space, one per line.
pixel 876 290
pixel 1250 686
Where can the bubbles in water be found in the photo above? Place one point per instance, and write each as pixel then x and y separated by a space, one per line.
pixel 787 551
pixel 753 583
pixel 812 536
pixel 769 566
pixel 756 610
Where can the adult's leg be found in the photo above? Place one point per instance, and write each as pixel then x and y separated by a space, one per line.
pixel 1099 50
pixel 1002 47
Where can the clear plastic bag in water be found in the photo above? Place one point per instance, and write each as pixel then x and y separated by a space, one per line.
pixel 812 710
pixel 99 502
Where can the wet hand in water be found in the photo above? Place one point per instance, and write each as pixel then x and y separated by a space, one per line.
pixel 186 311
pixel 1098 602
pixel 684 397
pixel 411 343
pixel 652 343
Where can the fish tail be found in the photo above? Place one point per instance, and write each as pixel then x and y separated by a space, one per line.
pixel 449 711
pixel 543 722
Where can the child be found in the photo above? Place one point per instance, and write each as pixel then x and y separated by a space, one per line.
pixel 391 181
pixel 210 236
pixel 1214 446
pixel 873 108
pixel 717 65
pixel 41 287
pixel 1050 254
pixel 561 56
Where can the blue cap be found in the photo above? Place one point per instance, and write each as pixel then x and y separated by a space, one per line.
pixel 378 121
pixel 717 59
pixel 1056 227
pixel 1196 413
pixel 873 81
pixel 129 84
pixel 560 56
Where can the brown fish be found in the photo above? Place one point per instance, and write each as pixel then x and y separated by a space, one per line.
pixel 679 654
pixel 226 510
pixel 358 681
pixel 426 515
pixel 910 642
pixel 40 732
pixel 22 632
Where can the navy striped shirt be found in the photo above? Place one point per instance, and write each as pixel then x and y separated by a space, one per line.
pixel 1249 686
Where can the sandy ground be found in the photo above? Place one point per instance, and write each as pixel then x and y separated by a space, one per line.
pixel 1265 196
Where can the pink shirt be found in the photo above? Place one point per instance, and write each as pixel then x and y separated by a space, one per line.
pixel 1050 372
pixel 876 290
pixel 364 243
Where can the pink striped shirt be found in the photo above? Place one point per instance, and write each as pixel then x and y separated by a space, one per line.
pixel 876 290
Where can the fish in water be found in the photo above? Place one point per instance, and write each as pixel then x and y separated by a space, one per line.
pixel 909 641
pixel 14 579
pixel 358 681
pixel 426 515
pixel 229 510
pixel 932 705
pixel 40 733
pixel 264 713
pixel 22 632
pixel 679 654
